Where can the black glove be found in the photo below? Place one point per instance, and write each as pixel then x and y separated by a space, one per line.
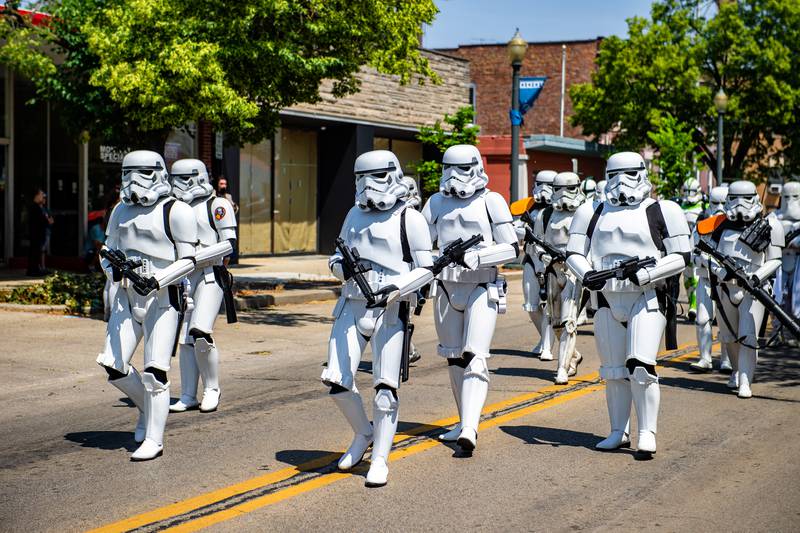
pixel 593 286
pixel 633 278
pixel 149 285
pixel 381 295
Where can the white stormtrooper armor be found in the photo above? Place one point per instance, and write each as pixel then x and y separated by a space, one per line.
pixel 216 224
pixel 741 314
pixel 600 191
pixel 563 289
pixel 589 188
pixel 412 199
pixel 630 320
pixel 692 205
pixel 395 244
pixel 705 303
pixel 787 282
pixel 467 300
pixel 161 232
pixel 533 269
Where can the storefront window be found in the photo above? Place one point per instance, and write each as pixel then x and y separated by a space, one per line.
pixel 255 198
pixel 63 189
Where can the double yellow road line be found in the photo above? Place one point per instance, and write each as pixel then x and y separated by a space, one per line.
pixel 258 492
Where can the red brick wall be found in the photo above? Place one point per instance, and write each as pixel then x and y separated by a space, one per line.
pixel 491 72
pixel 587 166
pixel 205 142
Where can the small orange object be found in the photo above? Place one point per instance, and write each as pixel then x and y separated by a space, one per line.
pixel 521 206
pixel 708 225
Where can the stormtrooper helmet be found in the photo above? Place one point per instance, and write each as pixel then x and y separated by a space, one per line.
pixel 743 202
pixel 144 178
pixel 189 179
pixel 600 191
pixel 543 186
pixel 627 179
pixel 379 180
pixel 589 188
pixel 691 192
pixel 567 193
pixel 462 171
pixel 716 200
pixel 413 198
pixel 790 200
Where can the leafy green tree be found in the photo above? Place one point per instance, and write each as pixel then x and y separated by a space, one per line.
pixel 677 158
pixel 458 129
pixel 141 67
pixel 674 63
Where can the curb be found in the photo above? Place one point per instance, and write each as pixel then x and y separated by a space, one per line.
pixel 31 308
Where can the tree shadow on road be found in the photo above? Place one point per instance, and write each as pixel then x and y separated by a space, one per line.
pixel 556 437
pixel 509 351
pixel 270 317
pixel 104 440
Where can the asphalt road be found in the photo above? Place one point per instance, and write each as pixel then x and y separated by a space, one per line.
pixel 265 460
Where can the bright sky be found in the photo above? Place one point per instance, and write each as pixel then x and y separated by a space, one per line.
pixel 494 21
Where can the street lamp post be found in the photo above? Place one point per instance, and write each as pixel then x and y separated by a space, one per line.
pixel 516 53
pixel 721 103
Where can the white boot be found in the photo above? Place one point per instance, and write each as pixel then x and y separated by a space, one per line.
pixel 132 387
pixel 456 382
pixel 536 318
pixel 646 399
pixel 576 360
pixel 548 338
pixel 561 376
pixel 156 402
pixel 473 396
pixel 385 416
pixel 208 363
pixel 352 408
pixel 704 344
pixel 724 359
pixel 566 349
pixel 189 375
pixel 618 401
pixel 747 368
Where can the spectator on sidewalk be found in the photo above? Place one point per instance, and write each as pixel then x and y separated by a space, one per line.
pixel 222 191
pixel 39 228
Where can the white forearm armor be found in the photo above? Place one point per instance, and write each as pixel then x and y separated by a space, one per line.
pixel 211 255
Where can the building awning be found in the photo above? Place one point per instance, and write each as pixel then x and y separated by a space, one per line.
pixel 564 145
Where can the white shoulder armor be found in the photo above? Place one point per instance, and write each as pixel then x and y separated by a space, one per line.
pixel 183 227
pixel 497 208
pixel 419 238
pixel 224 218
pixel 778 235
pixel 578 242
pixel 675 218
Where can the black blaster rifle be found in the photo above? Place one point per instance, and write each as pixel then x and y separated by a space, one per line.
pixel 355 269
pixel 126 268
pixel 557 255
pixel 749 284
pixel 624 270
pixel 225 280
pixel 454 252
pixel 792 235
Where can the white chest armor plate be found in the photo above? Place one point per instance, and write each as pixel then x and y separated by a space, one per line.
pixel 621 233
pixel 745 257
pixel 141 233
pixel 462 218
pixel 206 233
pixel 557 230
pixel 376 236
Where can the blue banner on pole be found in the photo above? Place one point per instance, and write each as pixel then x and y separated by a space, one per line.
pixel 529 89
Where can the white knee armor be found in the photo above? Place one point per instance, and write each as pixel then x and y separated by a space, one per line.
pixel 629 322
pixel 468 300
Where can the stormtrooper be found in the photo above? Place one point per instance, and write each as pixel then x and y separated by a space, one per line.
pixel 159 233
pixel 414 201
pixel 563 289
pixel 626 232
pixel 692 205
pixel 216 225
pixel 589 188
pixel 787 282
pixel 600 191
pixel 705 304
pixel 754 243
pixel 394 244
pixel 533 270
pixel 469 298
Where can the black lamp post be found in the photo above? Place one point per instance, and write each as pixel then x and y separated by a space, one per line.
pixel 516 53
pixel 721 103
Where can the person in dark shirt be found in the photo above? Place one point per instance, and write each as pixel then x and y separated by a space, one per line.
pixel 39 224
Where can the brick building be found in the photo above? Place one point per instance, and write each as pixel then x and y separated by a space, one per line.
pixel 547 147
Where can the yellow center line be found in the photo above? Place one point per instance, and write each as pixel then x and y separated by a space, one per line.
pixel 259 482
